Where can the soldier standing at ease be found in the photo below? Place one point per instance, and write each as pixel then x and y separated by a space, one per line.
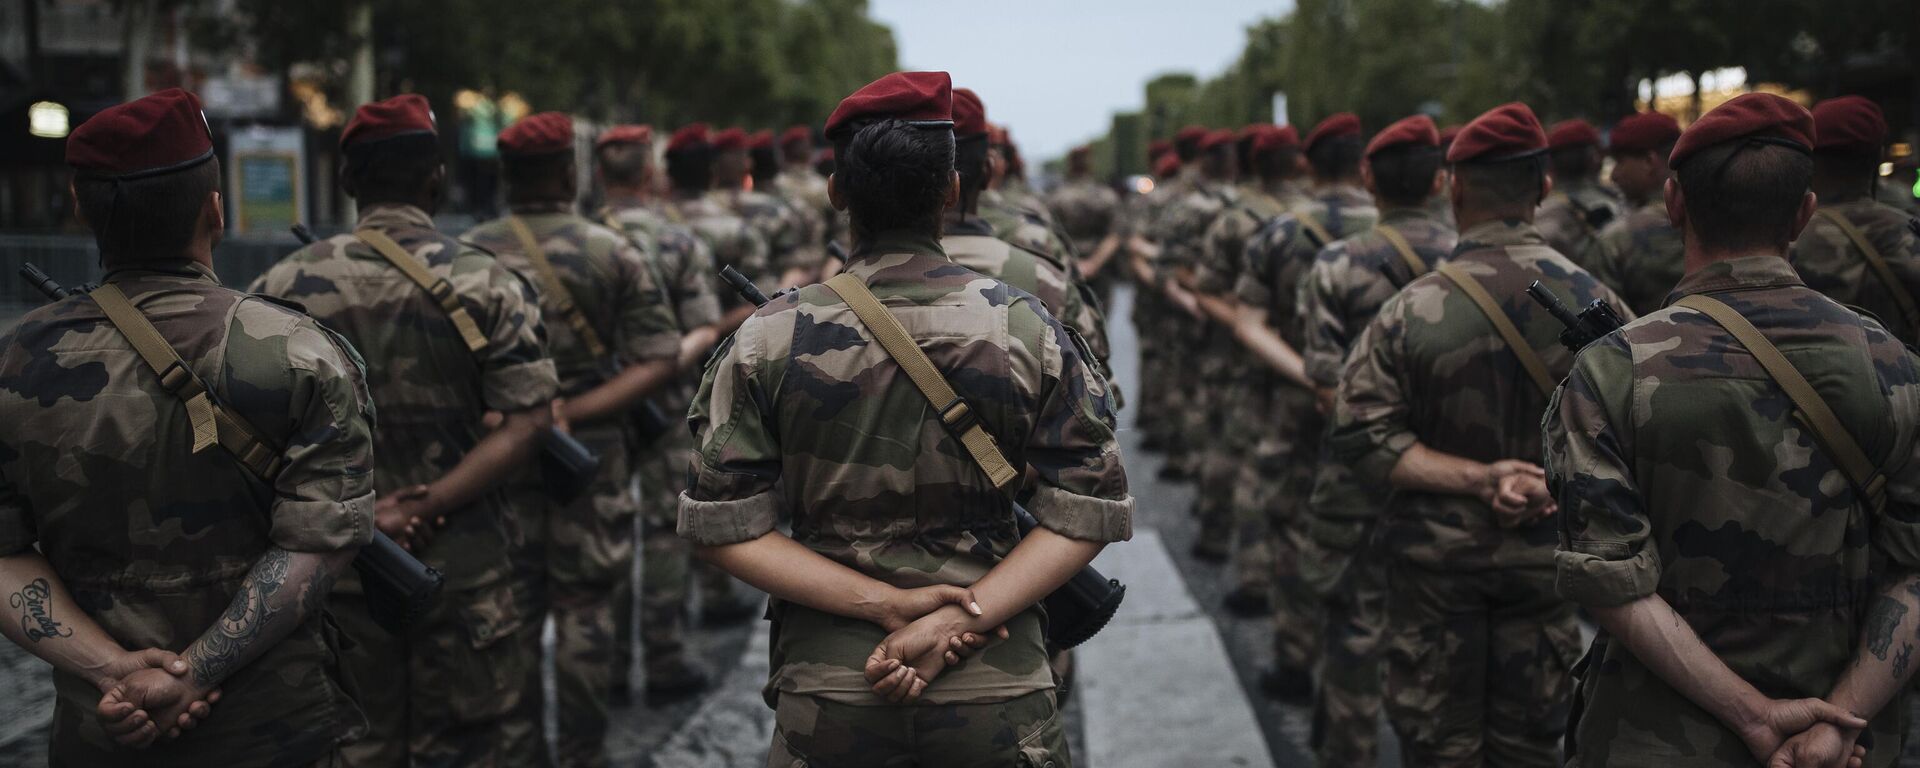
pixel 1579 208
pixel 1340 294
pixel 623 161
pixel 1268 291
pixel 1442 400
pixel 1739 497
pixel 811 254
pixel 801 185
pixel 1639 254
pixel 1858 251
pixel 184 467
pixel 614 342
pixel 1089 213
pixel 790 256
pixel 695 203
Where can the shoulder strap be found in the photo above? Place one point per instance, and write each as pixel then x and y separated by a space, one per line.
pixel 1529 359
pixel 1405 249
pixel 1908 311
pixel 954 412
pixel 1322 238
pixel 434 285
pixel 212 423
pixel 550 280
pixel 1812 409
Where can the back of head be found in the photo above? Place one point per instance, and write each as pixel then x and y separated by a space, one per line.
pixel 1499 165
pixel 623 164
pixel 536 159
pixel 1849 132
pixel 1334 147
pixel 1402 161
pixel 144 176
pixel 390 153
pixel 1573 150
pixel 690 159
pixel 1743 170
pixel 894 153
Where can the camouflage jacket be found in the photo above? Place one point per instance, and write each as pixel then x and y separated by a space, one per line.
pixel 732 241
pixel 610 282
pixel 1181 229
pixel 802 413
pixel 1831 264
pixel 802 187
pixel 792 241
pixel 970 243
pixel 1899 196
pixel 684 265
pixel 1031 231
pixel 97 471
pixel 1432 369
pixel 1015 193
pixel 1682 471
pixel 1572 218
pixel 432 391
pixel 1641 257
pixel 1278 257
pixel 1087 210
pixel 1223 244
pixel 1351 278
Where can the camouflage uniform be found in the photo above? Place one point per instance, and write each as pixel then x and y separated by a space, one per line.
pixel 461 672
pixel 800 186
pixel 1572 218
pixel 685 265
pixel 774 416
pixel 584 552
pixel 970 242
pixel 1640 256
pixel 94 463
pixel 1154 316
pixel 1478 647
pixel 1682 471
pixel 1831 264
pixel 1280 475
pixel 733 242
pixel 1181 233
pixel 792 242
pixel 1340 294
pixel 1089 212
pixel 1899 196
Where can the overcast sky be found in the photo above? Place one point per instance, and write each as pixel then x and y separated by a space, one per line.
pixel 1055 71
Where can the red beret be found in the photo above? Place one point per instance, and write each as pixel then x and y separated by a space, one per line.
pixel 1167 165
pixel 920 97
pixel 1190 134
pixel 1756 116
pixel 1275 138
pixel 969 115
pixel 1849 122
pixel 1216 138
pixel 1572 133
pixel 687 137
pixel 1415 131
pixel 1643 132
pixel 538 134
pixel 1342 124
pixel 798 134
pixel 1448 134
pixel 1158 147
pixel 402 115
pixel 1507 132
pixel 625 134
pixel 148 136
pixel 997 135
pixel 729 139
pixel 761 139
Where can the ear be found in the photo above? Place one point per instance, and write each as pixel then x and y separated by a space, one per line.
pixel 1454 190
pixel 1546 188
pixel 346 181
pixel 1366 177
pixel 953 191
pixel 213 215
pixel 1677 206
pixel 74 195
pixel 839 201
pixel 1440 180
pixel 1809 202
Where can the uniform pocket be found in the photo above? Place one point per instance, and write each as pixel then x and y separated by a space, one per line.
pixel 1561 642
pixel 1046 746
pixel 484 677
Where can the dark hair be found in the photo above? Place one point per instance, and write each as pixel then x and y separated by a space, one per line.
pixel 624 163
pixel 1335 158
pixel 1275 163
pixel 970 160
pixel 893 175
pixel 1243 153
pixel 1403 175
pixel 1852 169
pixel 1577 162
pixel 1663 151
pixel 395 170
pixel 148 218
pixel 547 176
pixel 1509 185
pixel 1187 149
pixel 691 168
pixel 766 165
pixel 1744 195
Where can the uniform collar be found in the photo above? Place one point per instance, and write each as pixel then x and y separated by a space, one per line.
pixel 537 207
pixel 1344 193
pixel 1740 274
pixel 392 216
pixel 1399 214
pixel 959 226
pixel 866 257
pixel 187 268
pixel 1498 233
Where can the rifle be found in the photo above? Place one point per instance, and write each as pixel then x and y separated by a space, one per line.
pixel 399 587
pixel 1597 320
pixel 1076 611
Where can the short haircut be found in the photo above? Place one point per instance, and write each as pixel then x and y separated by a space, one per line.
pixel 893 175
pixel 624 163
pixel 970 160
pixel 1403 175
pixel 148 218
pixel 545 176
pixel 691 168
pixel 1336 157
pixel 1847 163
pixel 1576 162
pixel 766 163
pixel 1502 186
pixel 392 170
pixel 1187 149
pixel 1744 194
pixel 1275 163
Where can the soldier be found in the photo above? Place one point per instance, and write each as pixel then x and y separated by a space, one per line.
pixel 1268 290
pixel 1579 208
pixel 1441 396
pixel 1738 487
pixel 184 466
pixel 438 373
pixel 1639 254
pixel 1198 368
pixel 800 184
pixel 695 203
pixel 1340 294
pixel 790 254
pixel 910 491
pixel 1089 213
pixel 1857 251
pixel 811 254
pixel 615 342
pixel 1009 183
pixel 1152 313
pixel 622 158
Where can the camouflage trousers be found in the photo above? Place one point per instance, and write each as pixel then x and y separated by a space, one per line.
pixel 1347 707
pixel 1273 527
pixel 666 559
pixel 1222 438
pixel 439 695
pixel 1149 311
pixel 1478 665
pixel 575 559
pixel 1025 732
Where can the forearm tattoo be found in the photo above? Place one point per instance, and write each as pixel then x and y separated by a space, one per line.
pixel 1883 618
pixel 221 650
pixel 35 603
pixel 1901 659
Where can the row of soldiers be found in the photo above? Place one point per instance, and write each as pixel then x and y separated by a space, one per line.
pixel 1324 323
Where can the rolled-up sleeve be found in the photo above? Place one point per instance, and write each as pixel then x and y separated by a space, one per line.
pixel 1604 558
pixel 730 490
pixel 324 494
pixel 1082 491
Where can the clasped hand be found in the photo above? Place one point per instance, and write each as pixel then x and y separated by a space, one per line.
pixel 1517 492
pixel 930 631
pixel 148 694
pixel 1805 733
